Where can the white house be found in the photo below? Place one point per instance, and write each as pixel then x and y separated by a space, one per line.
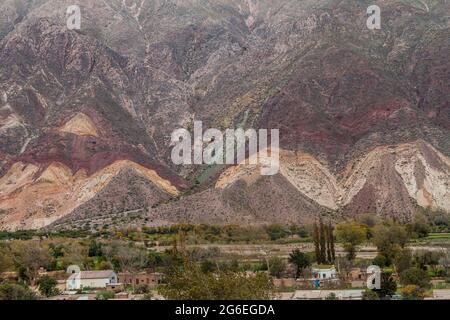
pixel 329 273
pixel 90 279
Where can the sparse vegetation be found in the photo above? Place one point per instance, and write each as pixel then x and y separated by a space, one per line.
pixel 135 250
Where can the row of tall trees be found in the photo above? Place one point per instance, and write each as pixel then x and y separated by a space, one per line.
pixel 323 242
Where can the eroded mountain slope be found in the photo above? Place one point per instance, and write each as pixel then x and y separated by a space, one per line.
pixel 364 115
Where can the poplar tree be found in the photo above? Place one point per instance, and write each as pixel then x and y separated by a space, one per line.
pixel 333 252
pixel 329 235
pixel 316 242
pixel 323 248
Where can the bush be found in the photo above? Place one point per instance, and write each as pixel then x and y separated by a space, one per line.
pixel 141 289
pixel 380 261
pixel 277 266
pixel 147 296
pixel 276 232
pixel 415 276
pixel 331 296
pixel 47 286
pixel 10 291
pixel 208 266
pixel 104 295
pixel 412 292
pixel 370 295
pixel 388 286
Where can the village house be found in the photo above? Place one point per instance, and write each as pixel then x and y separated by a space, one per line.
pixel 326 273
pixel 150 279
pixel 90 279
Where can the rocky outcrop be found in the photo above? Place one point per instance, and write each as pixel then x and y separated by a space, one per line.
pixel 33 197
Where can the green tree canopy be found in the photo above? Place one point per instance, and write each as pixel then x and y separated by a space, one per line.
pixel 403 260
pixel 28 257
pixel 300 260
pixel 419 226
pixel 351 234
pixel 415 276
pixel 47 286
pixel 389 239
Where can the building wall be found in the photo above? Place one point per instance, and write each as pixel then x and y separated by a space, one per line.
pixel 324 273
pixel 77 283
pixel 150 279
pixel 94 283
pixel 73 284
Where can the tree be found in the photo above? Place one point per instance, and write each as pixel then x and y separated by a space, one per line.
pixel 316 241
pixel 445 259
pixel 344 266
pixel 75 254
pixel 328 241
pixel 415 276
pixel 56 250
pixel 419 226
pixel 277 266
pixel 10 291
pixel 424 258
pixel 125 257
pixel 388 288
pixel 388 285
pixel 276 231
pixel 190 283
pixel 47 286
pixel 332 255
pixel 322 242
pixel 95 249
pixel 29 257
pixel 5 259
pixel 379 260
pixel 403 260
pixel 351 234
pixel 300 260
pixel 368 219
pixel 389 239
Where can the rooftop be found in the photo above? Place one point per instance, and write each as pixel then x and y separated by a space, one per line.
pixel 92 274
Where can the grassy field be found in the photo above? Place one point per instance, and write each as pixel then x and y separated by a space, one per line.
pixel 434 239
pixel 433 236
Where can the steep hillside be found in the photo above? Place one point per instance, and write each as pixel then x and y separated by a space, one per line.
pixel 86 115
